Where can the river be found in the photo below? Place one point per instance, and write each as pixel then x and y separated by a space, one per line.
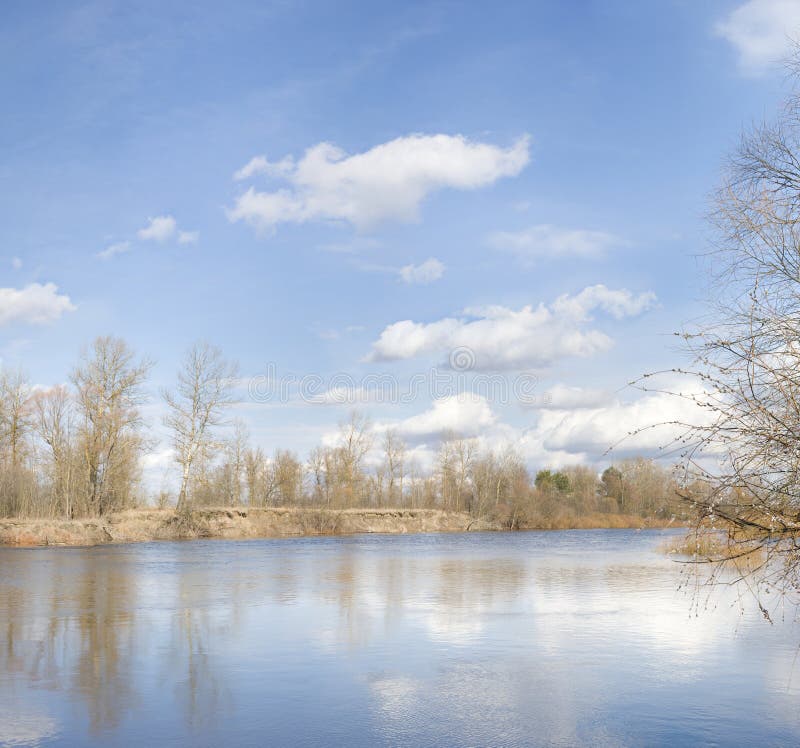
pixel 481 639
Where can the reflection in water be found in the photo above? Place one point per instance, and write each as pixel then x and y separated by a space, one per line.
pixel 105 646
pixel 188 665
pixel 25 728
pixel 518 639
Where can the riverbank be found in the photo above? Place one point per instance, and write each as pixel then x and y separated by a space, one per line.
pixel 142 525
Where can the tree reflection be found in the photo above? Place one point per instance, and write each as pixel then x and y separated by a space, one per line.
pixel 107 648
pixel 197 685
pixel 435 642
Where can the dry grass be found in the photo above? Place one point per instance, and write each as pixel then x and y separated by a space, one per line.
pixel 706 545
pixel 703 545
pixel 597 521
pixel 141 525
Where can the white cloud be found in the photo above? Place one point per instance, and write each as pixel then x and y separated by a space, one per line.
pixel 162 229
pixel 497 337
pixel 618 304
pixel 387 182
pixel 259 165
pixel 465 415
pixel 158 460
pixel 188 237
pixel 560 437
pixel 584 429
pixel 544 241
pixel 643 426
pixel 426 272
pixel 158 229
pixel 562 397
pixel 761 32
pixel 35 304
pixel 647 425
pixel 112 250
pixel 16 263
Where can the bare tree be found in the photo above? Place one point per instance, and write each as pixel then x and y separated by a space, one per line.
pixel 14 427
pixel 255 471
pixel 740 454
pixel 287 477
pixel 463 455
pixel 196 407
pixel 319 468
pixel 394 465
pixel 75 451
pixel 53 419
pixel 445 470
pixel 355 441
pixel 14 413
pixel 108 391
pixel 237 449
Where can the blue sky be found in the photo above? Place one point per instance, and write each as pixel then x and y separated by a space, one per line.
pixel 518 152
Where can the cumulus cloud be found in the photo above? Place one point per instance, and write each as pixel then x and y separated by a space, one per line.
pixel 544 241
pixel 259 165
pixel 564 436
pixel 385 183
pixel 562 397
pixel 465 415
pixel 158 229
pixel 501 338
pixel 188 237
pixel 585 426
pixel 35 304
pixel 619 304
pixel 647 424
pixel 112 250
pixel 158 460
pixel 162 229
pixel 761 32
pixel 426 272
pixel 643 426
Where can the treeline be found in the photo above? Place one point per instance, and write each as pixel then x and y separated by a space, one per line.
pixel 76 451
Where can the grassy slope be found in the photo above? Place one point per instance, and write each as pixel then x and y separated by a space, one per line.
pixel 140 525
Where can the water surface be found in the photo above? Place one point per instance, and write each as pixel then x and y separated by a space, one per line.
pixel 495 639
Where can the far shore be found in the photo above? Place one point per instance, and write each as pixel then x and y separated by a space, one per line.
pixel 237 523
